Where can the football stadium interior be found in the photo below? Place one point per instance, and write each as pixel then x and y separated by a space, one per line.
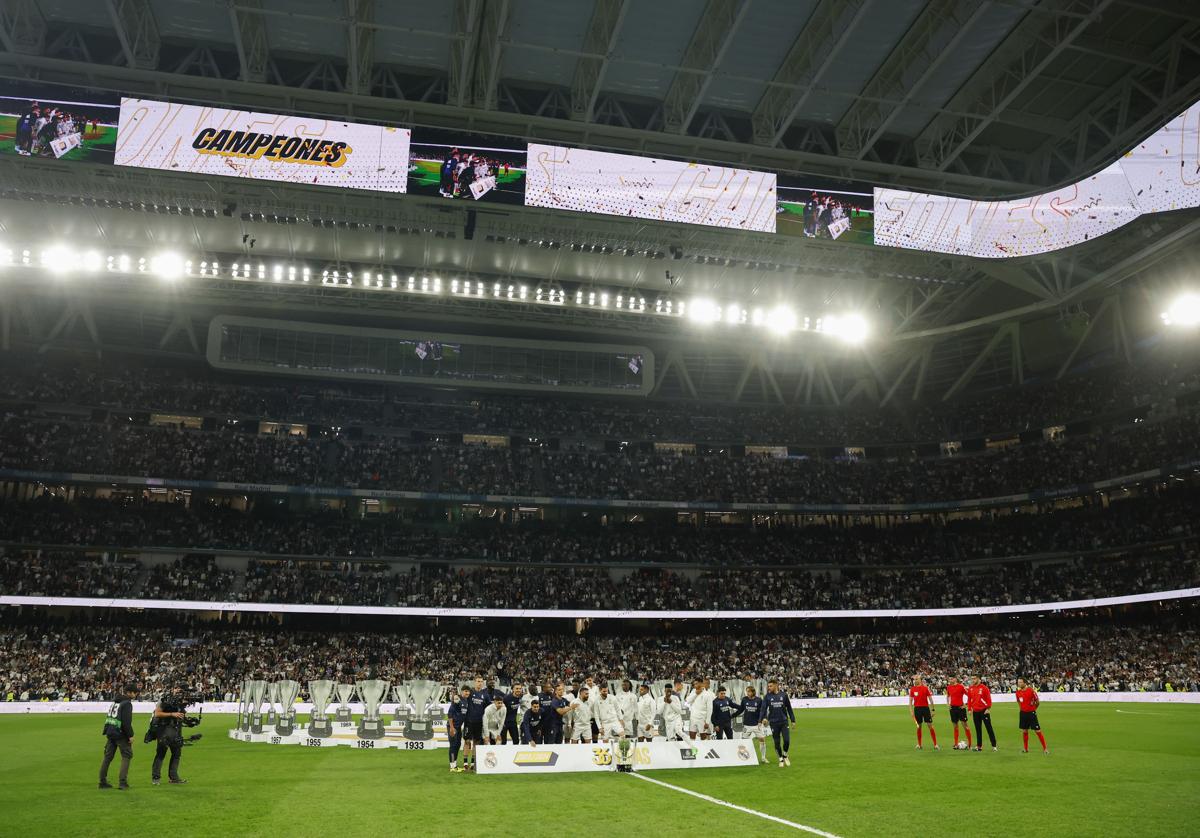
pixel 764 404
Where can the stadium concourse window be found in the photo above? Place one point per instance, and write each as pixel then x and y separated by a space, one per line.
pixel 376 354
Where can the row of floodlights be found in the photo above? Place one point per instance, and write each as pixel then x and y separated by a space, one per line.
pixel 61 260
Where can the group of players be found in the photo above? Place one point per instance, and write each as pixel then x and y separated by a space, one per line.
pixel 586 713
pixel 976 698
pixel 39 125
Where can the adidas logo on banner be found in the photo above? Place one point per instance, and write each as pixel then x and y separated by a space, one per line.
pixel 712 754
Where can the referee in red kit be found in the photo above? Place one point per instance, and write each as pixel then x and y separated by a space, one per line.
pixel 979 701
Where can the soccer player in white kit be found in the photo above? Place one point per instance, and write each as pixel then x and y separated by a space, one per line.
pixel 607 717
pixel 700 720
pixel 672 714
pixel 647 709
pixel 581 718
pixel 627 707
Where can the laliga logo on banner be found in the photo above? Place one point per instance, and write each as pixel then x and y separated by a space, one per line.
pixel 279 148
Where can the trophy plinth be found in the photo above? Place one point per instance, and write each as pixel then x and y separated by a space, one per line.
pixel 345 694
pixel 258 692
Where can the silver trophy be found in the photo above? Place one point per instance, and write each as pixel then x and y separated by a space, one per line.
pixel 258 693
pixel 373 693
pixel 420 727
pixel 287 692
pixel 272 700
pixel 403 704
pixel 319 724
pixel 345 694
pixel 243 717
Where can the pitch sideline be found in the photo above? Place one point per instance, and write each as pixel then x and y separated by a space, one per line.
pixel 727 804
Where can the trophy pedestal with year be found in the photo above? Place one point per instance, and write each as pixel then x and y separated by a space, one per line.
pixel 256 723
pixel 258 692
pixel 420 730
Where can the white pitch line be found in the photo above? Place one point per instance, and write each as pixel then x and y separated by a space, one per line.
pixel 729 805
pixel 1141 713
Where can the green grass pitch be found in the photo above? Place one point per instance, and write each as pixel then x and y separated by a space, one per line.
pixel 854 773
pixel 98 147
pixel 790 222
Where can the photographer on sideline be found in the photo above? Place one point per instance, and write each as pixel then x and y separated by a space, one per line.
pixel 118 734
pixel 168 722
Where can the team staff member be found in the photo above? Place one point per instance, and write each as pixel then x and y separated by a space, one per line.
pixel 118 735
pixel 647 709
pixel 979 701
pixel 456 720
pixel 722 714
pixel 532 730
pixel 956 697
pixel 777 711
pixel 1028 701
pixel 920 707
pixel 751 709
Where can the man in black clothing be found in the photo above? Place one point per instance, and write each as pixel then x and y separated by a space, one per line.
pixel 118 735
pixel 168 716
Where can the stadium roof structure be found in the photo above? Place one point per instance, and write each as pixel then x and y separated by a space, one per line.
pixel 978 98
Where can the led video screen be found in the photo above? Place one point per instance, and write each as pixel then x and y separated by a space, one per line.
pixel 262 146
pixel 40 120
pixel 841 212
pixel 1160 174
pixel 468 167
pixel 643 187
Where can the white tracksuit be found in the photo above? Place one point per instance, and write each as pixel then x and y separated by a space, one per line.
pixel 581 721
pixel 672 713
pixel 647 709
pixel 608 718
pixel 493 720
pixel 627 709
pixel 701 716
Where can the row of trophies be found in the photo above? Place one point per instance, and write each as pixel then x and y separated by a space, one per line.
pixel 419 705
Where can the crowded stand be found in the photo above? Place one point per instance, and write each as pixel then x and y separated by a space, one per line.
pixel 207 525
pixel 1093 393
pixel 81 662
pixel 1137 570
pixel 385 463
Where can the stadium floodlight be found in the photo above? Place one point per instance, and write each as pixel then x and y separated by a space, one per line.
pixel 57 258
pixel 781 320
pixel 734 314
pixel 1184 311
pixel 91 260
pixel 849 328
pixel 703 311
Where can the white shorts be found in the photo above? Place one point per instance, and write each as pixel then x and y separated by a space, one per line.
pixel 697 726
pixel 580 733
pixel 613 731
pixel 759 730
pixel 673 730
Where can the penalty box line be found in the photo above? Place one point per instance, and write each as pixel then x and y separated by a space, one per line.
pixel 728 805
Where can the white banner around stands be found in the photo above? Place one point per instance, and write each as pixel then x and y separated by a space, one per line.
pixel 543 759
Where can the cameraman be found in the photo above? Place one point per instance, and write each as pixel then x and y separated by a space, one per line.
pixel 118 734
pixel 168 720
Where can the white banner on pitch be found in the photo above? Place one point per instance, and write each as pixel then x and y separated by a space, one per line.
pixel 724 753
pixel 543 759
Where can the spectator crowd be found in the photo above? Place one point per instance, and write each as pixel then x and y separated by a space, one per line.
pixel 86 662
